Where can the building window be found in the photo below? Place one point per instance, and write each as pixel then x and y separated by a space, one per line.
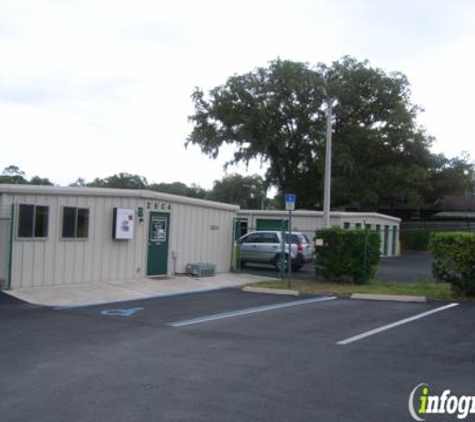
pixel 33 221
pixel 75 223
pixel 358 225
pixel 346 225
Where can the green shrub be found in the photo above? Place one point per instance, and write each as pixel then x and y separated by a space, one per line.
pixel 347 255
pixel 454 260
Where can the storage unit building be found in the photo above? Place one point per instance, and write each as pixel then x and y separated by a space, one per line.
pixel 309 221
pixel 54 235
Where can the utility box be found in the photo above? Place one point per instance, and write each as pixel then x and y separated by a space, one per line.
pixel 201 269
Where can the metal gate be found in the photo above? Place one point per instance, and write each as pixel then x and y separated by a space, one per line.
pixel 404 250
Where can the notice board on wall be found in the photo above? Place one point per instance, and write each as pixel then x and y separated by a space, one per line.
pixel 123 223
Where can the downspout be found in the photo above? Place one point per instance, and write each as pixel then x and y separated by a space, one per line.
pixel 10 257
pixel 233 243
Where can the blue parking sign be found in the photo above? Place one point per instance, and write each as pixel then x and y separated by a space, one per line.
pixel 289 202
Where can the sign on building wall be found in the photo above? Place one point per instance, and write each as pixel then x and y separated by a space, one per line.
pixel 123 227
pixel 159 229
pixel 159 206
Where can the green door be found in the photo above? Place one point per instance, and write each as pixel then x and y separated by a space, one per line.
pixel 386 240
pixel 158 234
pixel 268 224
pixel 240 228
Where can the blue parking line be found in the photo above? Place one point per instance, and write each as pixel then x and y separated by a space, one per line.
pixel 248 311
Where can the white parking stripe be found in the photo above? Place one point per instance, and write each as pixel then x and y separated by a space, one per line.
pixel 249 311
pixel 395 324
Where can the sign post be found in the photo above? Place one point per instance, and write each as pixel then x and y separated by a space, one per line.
pixel 289 206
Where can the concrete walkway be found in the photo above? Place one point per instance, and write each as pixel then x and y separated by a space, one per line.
pixel 92 294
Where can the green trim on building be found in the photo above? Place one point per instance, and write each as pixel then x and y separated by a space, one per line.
pixel 394 242
pixel 10 254
pixel 386 239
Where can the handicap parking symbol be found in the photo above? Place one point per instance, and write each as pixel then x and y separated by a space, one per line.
pixel 121 312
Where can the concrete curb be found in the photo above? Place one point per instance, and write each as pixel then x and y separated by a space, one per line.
pixel 395 298
pixel 270 291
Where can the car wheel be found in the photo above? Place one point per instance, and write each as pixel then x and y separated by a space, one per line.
pixel 281 264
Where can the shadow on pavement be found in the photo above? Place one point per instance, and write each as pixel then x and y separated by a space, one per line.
pixel 6 299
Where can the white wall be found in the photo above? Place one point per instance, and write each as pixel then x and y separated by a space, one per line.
pixel 195 238
pixel 198 233
pixel 54 261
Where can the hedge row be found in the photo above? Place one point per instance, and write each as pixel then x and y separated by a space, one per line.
pixel 347 255
pixel 454 260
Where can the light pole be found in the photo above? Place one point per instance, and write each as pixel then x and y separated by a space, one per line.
pixel 328 167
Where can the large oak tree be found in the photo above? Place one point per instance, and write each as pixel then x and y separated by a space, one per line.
pixel 381 156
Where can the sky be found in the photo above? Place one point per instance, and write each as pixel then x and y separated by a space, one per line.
pixel 91 88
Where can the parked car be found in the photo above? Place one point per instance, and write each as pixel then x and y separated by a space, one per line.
pixel 265 247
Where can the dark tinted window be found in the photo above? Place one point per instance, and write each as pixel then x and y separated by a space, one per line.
pixel 25 220
pixel 41 222
pixel 83 223
pixel 69 222
pixel 75 222
pixel 252 238
pixel 33 221
pixel 294 237
pixel 269 238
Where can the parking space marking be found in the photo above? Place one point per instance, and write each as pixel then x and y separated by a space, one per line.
pixel 249 311
pixel 121 312
pixel 395 324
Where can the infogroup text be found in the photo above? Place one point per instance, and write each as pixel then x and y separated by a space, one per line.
pixel 421 403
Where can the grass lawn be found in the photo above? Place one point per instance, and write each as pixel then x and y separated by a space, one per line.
pixel 433 291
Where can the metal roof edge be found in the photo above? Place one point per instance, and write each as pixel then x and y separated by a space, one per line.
pixel 310 213
pixel 109 192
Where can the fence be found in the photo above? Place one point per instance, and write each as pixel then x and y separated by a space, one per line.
pixel 415 235
pixel 395 241
pixel 265 247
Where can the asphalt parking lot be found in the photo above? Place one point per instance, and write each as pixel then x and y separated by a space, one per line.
pixel 230 356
